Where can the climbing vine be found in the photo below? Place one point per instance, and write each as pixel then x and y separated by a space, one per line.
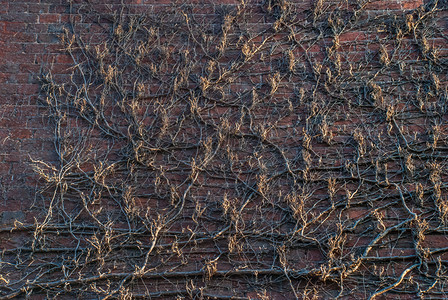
pixel 251 151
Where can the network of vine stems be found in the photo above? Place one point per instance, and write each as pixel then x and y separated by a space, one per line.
pixel 263 150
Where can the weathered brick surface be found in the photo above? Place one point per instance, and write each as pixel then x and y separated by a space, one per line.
pixel 364 102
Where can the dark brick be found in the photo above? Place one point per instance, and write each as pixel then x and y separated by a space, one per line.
pixel 9 217
pixel 49 18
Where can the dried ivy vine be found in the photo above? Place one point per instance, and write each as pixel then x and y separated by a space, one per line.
pixel 252 151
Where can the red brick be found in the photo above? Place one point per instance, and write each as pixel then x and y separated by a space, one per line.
pixel 49 18
pixel 4 7
pixel 40 8
pixel 29 89
pixel 435 241
pixel 64 59
pixel 23 17
pixel 411 4
pixel 18 8
pixel 4 167
pixel 21 134
pixel 384 5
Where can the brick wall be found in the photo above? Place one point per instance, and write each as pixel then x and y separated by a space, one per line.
pixel 304 158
